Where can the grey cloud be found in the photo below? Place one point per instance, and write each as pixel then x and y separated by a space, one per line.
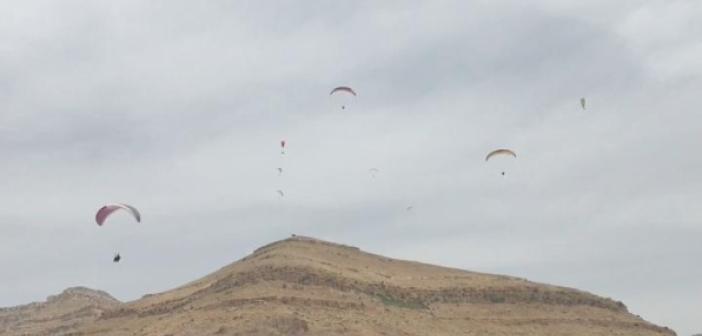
pixel 178 108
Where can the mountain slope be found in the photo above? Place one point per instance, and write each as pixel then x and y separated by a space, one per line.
pixel 304 286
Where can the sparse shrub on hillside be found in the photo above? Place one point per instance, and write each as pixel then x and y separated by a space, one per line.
pixel 396 302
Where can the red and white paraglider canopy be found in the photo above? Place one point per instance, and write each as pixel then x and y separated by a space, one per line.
pixel 107 210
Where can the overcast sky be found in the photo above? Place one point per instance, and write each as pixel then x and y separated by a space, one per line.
pixel 178 107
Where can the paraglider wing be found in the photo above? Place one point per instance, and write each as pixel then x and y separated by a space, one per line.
pixel 343 89
pixel 282 143
pixel 280 192
pixel 500 152
pixel 582 102
pixel 107 210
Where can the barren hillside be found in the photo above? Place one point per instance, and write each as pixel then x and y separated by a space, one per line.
pixel 304 286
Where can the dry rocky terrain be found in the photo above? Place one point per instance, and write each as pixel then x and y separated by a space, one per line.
pixel 304 286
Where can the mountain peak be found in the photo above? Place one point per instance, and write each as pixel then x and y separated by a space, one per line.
pixel 73 293
pixel 306 240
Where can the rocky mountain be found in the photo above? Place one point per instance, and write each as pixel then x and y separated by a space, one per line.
pixel 305 286
pixel 58 315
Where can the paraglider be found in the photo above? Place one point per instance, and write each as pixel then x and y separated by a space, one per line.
pixel 280 192
pixel 107 210
pixel 343 89
pixel 410 208
pixel 280 171
pixel 582 102
pixel 373 172
pixel 282 146
pixel 501 152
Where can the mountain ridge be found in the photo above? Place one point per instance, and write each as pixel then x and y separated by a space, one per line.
pixel 306 286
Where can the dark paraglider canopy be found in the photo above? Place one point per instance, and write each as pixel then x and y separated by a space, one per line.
pixel 343 89
pixel 117 258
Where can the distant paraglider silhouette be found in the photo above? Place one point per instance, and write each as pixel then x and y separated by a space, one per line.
pixel 374 172
pixel 500 152
pixel 117 258
pixel 345 89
